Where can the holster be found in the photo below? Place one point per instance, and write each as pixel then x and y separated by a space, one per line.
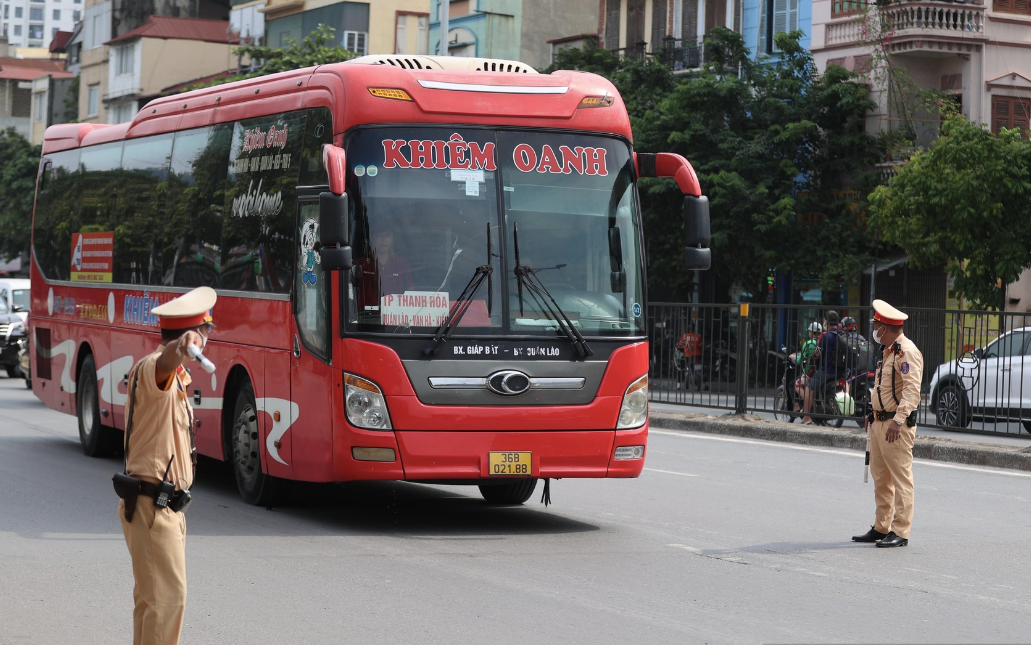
pixel 128 488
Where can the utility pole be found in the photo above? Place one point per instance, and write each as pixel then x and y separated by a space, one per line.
pixel 443 11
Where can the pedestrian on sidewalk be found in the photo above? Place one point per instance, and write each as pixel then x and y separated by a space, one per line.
pixel 160 454
pixel 892 428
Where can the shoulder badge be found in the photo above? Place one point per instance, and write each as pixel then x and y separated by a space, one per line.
pixel 904 368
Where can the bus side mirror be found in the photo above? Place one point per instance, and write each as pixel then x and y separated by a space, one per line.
pixel 697 236
pixel 335 253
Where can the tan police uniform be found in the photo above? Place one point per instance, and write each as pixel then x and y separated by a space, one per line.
pixel 896 396
pixel 159 446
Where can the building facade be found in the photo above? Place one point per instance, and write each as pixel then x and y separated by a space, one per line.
pixel 529 31
pixel 33 23
pixel 379 27
pixel 677 29
pixel 104 20
pixel 979 52
pixel 17 79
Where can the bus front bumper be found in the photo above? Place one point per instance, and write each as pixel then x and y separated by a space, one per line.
pixel 463 455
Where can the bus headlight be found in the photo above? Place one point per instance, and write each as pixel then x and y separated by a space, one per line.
pixel 364 404
pixel 634 411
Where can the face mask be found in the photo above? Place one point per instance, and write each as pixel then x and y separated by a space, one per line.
pixel 878 334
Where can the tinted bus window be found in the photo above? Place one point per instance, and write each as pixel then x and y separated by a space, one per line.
pixel 196 199
pixel 318 131
pixel 140 227
pixel 56 214
pixel 101 190
pixel 258 230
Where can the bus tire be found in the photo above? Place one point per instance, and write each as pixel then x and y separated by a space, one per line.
pixel 97 439
pixel 512 493
pixel 245 441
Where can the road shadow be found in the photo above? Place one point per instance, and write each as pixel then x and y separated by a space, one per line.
pixel 396 508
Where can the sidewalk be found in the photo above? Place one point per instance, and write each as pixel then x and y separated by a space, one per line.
pixel 980 450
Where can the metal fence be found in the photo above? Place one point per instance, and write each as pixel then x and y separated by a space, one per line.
pixel 977 364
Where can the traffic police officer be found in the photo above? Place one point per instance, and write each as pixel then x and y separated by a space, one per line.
pixel 159 452
pixel 892 428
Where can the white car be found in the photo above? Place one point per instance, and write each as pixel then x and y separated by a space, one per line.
pixel 15 294
pixel 992 383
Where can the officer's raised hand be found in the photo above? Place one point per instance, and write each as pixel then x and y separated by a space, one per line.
pixel 174 354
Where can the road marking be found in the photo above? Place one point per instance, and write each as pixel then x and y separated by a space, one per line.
pixel 848 453
pixel 685 547
pixel 671 472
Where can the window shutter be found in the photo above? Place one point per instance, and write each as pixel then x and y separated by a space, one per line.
pixel 612 24
pixel 763 40
pixel 402 35
pixel 1003 5
pixel 792 15
pixel 1022 115
pixel 689 22
pixel 1022 6
pixel 658 24
pixel 780 19
pixel 1001 113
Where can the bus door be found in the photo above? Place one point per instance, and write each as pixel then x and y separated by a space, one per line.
pixel 311 378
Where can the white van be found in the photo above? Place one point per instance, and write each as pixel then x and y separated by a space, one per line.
pixel 15 292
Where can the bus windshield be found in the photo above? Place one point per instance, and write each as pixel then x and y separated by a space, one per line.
pixel 434 209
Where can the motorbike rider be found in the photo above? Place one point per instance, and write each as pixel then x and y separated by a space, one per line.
pixel 802 357
pixel 826 354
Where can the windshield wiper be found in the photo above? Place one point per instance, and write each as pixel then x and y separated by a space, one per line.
pixel 465 301
pixel 526 276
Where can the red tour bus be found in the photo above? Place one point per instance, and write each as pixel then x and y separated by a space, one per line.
pixel 427 271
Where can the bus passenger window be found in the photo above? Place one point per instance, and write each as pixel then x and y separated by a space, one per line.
pixel 57 214
pixel 192 233
pixel 141 215
pixel 258 233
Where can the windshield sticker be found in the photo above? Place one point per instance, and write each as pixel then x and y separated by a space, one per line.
pixel 456 153
pixel 472 189
pixel 467 175
pixel 92 256
pixel 414 309
pixel 584 161
pixel 636 309
pixel 359 171
pixel 309 256
pixel 373 171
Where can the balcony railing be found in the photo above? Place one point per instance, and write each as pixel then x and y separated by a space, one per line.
pixel 906 23
pixel 679 54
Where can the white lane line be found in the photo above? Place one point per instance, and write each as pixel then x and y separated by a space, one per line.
pixel 685 547
pixel 670 472
pixel 847 453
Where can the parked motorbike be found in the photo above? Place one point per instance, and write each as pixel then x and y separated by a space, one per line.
pixel 827 407
pixel 859 388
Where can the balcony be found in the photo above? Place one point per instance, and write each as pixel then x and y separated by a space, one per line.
pixel 922 26
pixel 679 54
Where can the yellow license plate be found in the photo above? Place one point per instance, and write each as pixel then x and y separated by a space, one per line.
pixel 508 464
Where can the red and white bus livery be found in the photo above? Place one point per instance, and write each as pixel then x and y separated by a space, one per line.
pixel 426 272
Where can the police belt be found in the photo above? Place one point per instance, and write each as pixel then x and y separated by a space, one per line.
pixel 179 501
pixel 887 415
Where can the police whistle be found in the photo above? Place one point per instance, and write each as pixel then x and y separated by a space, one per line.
pixel 194 352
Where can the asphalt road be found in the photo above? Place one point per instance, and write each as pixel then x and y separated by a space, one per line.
pixel 722 540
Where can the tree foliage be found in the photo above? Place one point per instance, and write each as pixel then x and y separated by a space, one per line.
pixel 964 203
pixel 779 149
pixel 17 190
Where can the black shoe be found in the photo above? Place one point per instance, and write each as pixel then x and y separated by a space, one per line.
pixel 870 536
pixel 891 540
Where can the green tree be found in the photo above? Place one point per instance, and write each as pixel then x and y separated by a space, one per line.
pixel 20 161
pixel 314 49
pixel 781 153
pixel 965 203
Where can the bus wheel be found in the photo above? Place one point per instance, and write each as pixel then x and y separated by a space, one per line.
pixel 255 486
pixel 97 439
pixel 515 492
